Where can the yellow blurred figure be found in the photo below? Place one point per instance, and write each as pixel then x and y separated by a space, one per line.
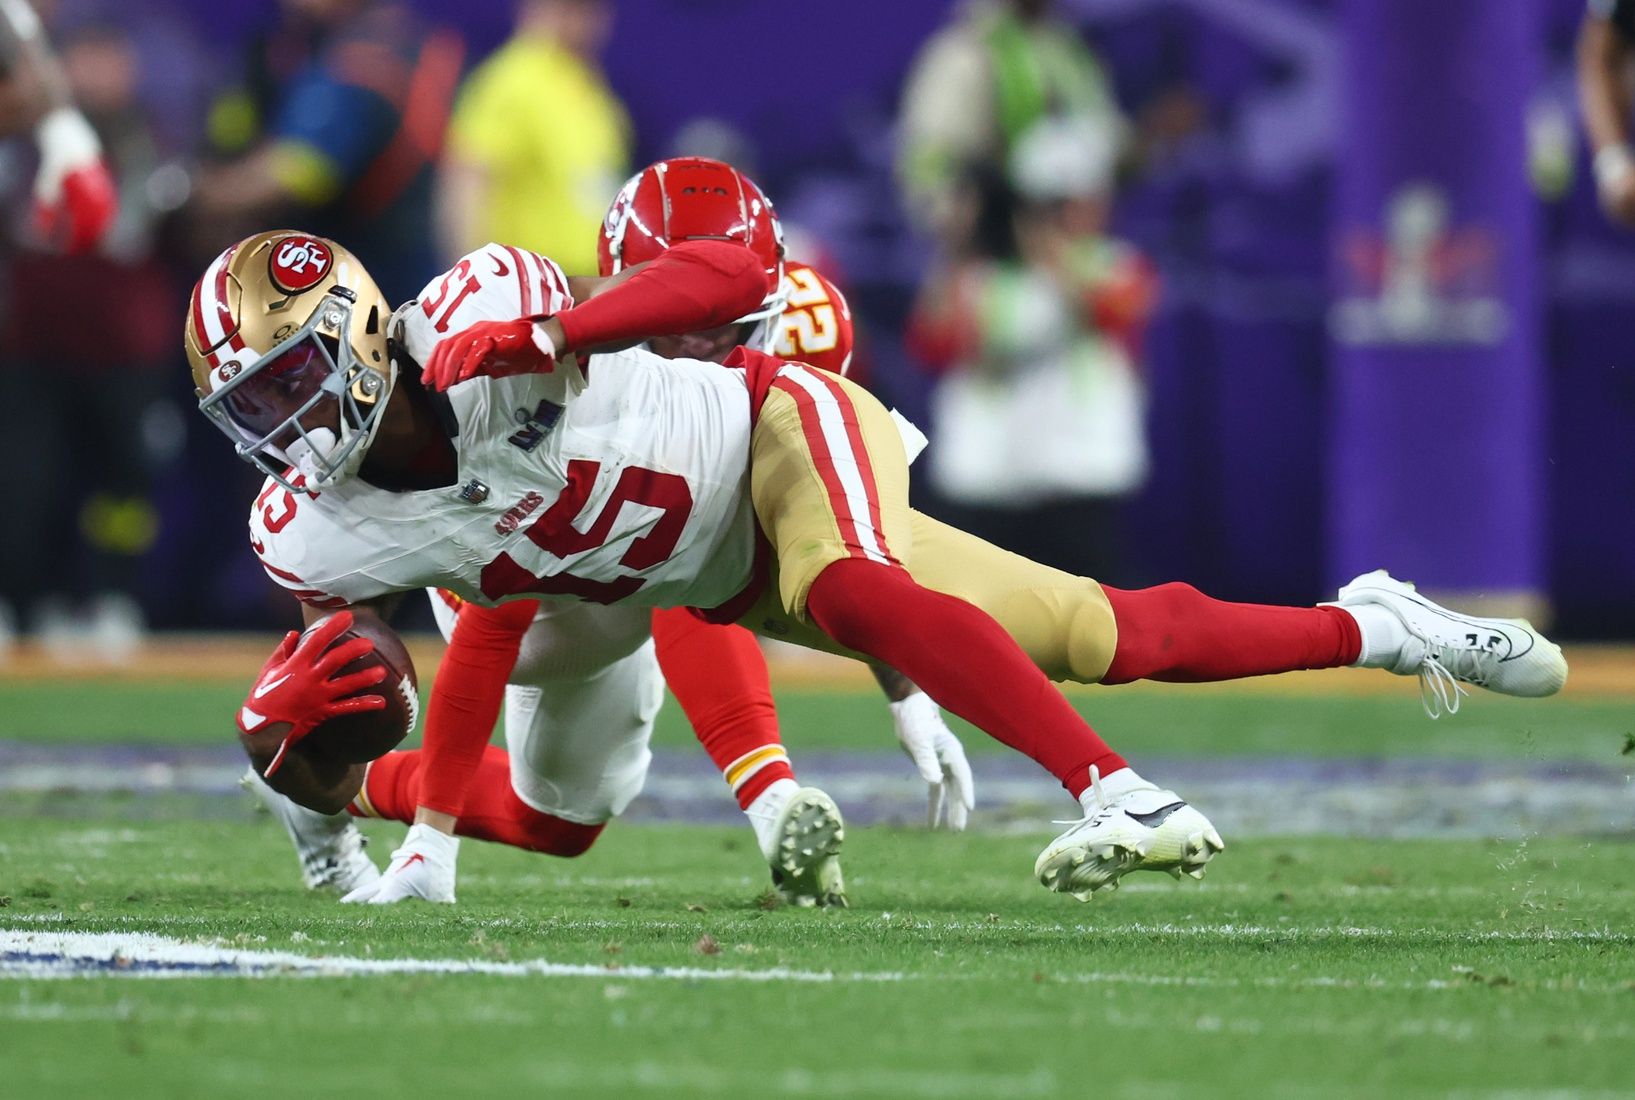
pixel 538 142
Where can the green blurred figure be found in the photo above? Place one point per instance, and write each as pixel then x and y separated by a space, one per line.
pixel 538 143
pixel 1036 328
pixel 978 85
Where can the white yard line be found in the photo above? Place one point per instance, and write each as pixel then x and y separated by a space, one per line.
pixel 38 953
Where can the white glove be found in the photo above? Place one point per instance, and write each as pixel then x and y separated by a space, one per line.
pixel 939 756
pixel 422 868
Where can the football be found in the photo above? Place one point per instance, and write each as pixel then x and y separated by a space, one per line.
pixel 360 738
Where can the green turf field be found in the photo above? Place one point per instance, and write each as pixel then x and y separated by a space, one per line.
pixel 1317 967
pixel 1309 966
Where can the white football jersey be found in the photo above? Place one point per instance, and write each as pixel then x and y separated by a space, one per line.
pixel 629 481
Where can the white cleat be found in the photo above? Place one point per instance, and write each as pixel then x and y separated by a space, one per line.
pixel 329 847
pixel 800 832
pixel 1141 829
pixel 1447 650
pixel 422 869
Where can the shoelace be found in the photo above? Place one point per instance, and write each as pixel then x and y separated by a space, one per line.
pixel 1445 670
pixel 1104 807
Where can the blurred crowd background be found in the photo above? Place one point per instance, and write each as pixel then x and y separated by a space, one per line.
pixel 1179 289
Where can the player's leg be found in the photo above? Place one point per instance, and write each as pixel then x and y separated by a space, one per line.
pixel 576 755
pixel 1176 633
pixel 484 646
pixel 567 653
pixel 718 675
pixel 829 481
pixel 493 811
pixel 825 475
pixel 830 484
pixel 1078 630
pixel 578 747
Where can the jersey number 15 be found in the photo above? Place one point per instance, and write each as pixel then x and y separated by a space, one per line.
pixel 554 533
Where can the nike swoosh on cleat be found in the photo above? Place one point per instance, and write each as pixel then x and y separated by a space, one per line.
pixel 262 689
pixel 1505 630
pixel 411 861
pixel 1154 818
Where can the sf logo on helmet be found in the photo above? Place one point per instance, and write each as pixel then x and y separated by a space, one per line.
pixel 297 263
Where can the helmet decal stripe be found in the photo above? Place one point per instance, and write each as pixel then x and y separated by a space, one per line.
pixel 205 345
pixel 210 305
pixel 223 313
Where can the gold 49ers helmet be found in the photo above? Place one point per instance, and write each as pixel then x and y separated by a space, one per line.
pixel 286 336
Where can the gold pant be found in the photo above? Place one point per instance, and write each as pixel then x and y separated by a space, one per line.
pixel 829 480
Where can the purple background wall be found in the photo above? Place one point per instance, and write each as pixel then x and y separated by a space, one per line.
pixel 1238 218
pixel 1436 403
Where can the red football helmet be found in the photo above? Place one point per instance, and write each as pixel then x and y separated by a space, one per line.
pixel 690 199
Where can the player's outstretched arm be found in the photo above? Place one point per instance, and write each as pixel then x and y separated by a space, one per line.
pixel 936 752
pixel 694 285
pixel 689 287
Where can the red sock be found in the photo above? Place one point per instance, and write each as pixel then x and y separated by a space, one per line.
pixel 493 810
pixel 391 788
pixel 963 659
pixel 1176 633
pixel 718 675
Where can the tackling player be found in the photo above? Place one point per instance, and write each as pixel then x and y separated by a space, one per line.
pixel 774 495
pixel 716 671
pixel 695 198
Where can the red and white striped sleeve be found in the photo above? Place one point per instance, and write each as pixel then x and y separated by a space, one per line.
pixel 210 316
pixel 497 282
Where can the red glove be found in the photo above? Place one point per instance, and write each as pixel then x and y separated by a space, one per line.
pixel 497 349
pixel 75 198
pixel 298 685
